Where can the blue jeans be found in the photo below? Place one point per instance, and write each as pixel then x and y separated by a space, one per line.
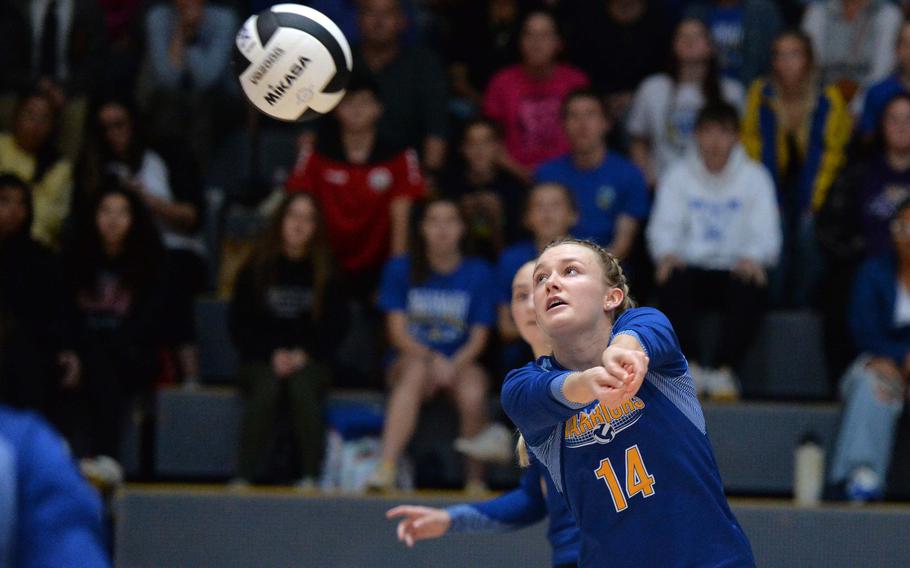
pixel 872 407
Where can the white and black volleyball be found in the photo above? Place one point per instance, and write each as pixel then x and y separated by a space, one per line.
pixel 293 62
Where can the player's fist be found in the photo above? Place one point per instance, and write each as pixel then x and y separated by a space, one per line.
pixel 593 384
pixel 419 523
pixel 628 365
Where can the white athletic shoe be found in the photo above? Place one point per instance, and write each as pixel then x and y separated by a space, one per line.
pixel 102 471
pixel 698 376
pixel 722 385
pixel 494 445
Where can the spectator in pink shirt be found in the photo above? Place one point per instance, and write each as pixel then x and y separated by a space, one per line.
pixel 525 98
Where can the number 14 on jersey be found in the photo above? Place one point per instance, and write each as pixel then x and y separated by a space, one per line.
pixel 638 480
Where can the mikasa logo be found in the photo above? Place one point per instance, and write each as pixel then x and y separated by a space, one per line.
pixel 270 60
pixel 276 92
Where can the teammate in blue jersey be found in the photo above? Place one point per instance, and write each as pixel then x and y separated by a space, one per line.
pixel 613 416
pixel 535 496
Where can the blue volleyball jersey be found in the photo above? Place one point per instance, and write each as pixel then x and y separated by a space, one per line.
pixel 640 479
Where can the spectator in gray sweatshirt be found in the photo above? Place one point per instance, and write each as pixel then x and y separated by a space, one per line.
pixel 714 233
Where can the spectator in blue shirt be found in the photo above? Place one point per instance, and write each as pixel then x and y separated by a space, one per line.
pixel 880 93
pixel 875 386
pixel 49 516
pixel 439 308
pixel 609 190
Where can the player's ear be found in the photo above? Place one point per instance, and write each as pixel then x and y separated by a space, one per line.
pixel 612 299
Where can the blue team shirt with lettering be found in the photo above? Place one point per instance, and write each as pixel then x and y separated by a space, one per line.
pixel 442 309
pixel 640 479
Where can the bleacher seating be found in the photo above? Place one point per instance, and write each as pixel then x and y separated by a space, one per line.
pixel 217 357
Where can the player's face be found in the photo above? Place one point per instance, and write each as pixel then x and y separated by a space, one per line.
pixel 14 212
pixel 115 124
pixel 358 111
pixel 550 215
pixel 570 291
pixel 522 307
pixel 715 143
pixel 896 123
pixel 381 21
pixel 790 64
pixel 691 43
pixel 114 219
pixel 34 123
pixel 299 225
pixel 585 124
pixel 442 228
pixel 540 43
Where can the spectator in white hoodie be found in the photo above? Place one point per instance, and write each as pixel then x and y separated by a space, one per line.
pixel 714 233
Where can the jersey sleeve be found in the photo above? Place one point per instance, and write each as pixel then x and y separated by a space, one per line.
pixel 654 332
pixel 483 297
pixel 532 398
pixel 516 509
pixel 393 288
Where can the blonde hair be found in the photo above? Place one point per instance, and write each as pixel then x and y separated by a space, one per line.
pixel 613 273
pixel 521 448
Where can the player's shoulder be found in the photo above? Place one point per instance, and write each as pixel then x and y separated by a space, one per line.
pixel 640 316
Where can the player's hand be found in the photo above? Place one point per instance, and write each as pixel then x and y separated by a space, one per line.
pixel 419 523
pixel 628 365
pixel 593 384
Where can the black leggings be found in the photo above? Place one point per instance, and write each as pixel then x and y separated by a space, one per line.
pixel 689 291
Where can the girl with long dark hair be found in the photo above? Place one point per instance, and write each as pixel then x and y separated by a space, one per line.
pixel 286 317
pixel 115 272
pixel 169 184
pixel 439 308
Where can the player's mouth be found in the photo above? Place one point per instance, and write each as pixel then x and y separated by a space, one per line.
pixel 555 302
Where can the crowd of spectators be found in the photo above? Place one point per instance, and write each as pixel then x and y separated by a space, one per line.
pixel 735 155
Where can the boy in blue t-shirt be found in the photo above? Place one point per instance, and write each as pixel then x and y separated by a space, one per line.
pixel 610 191
pixel 439 308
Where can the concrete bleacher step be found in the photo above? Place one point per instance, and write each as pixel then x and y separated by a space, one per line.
pixel 754 442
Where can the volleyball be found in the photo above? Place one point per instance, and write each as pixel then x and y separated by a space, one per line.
pixel 293 62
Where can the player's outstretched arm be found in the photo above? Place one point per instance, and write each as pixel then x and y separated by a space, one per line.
pixel 419 523
pixel 523 506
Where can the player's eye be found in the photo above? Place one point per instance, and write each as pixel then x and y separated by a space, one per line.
pixel 570 270
pixel 540 278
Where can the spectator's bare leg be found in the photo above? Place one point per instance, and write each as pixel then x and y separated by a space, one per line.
pixel 408 391
pixel 470 394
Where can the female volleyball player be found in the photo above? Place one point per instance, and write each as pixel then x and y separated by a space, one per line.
pixel 535 496
pixel 613 416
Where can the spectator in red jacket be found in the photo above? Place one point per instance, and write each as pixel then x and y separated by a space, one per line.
pixel 364 187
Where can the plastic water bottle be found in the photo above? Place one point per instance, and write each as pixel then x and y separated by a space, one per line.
pixel 808 471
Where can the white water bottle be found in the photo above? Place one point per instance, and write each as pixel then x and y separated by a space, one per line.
pixel 808 471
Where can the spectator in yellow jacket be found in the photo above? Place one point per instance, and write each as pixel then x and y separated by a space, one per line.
pixel 29 151
pixel 799 132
